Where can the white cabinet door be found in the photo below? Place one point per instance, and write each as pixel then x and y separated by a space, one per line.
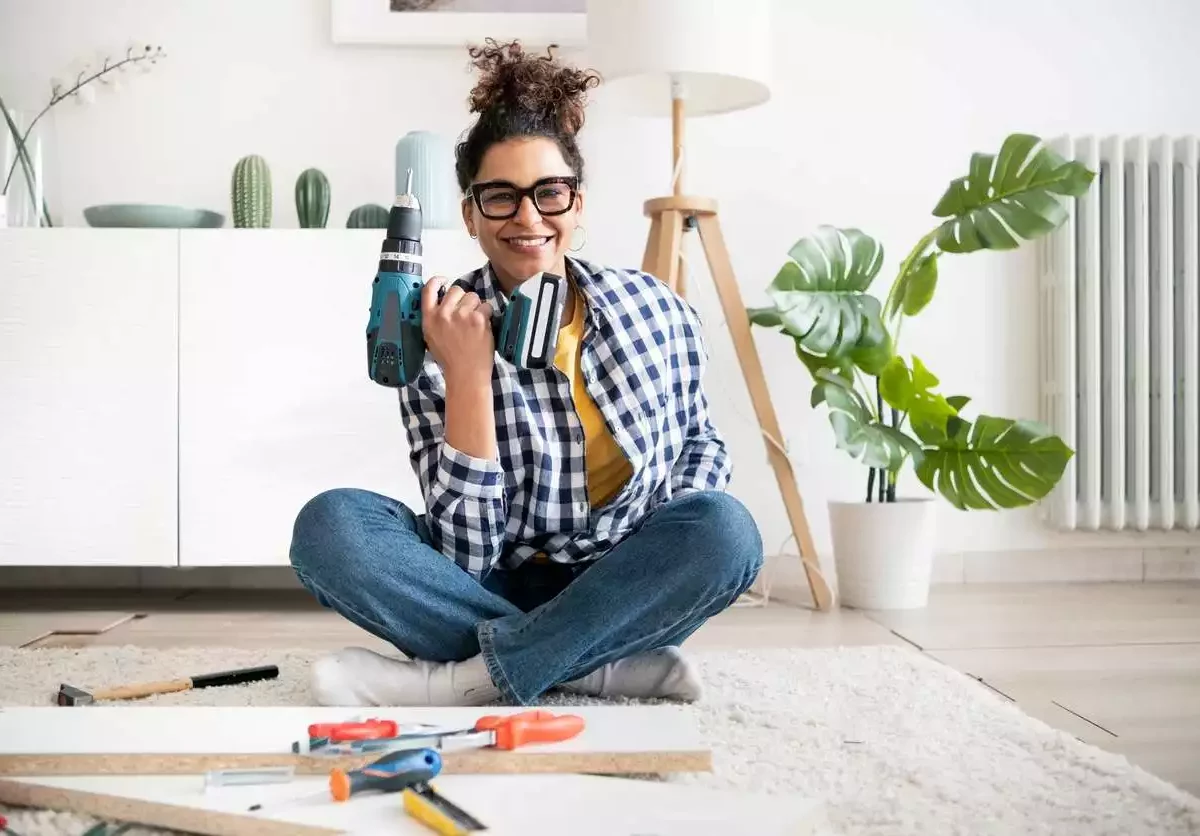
pixel 275 402
pixel 88 391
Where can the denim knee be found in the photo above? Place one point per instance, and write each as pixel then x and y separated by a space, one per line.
pixel 332 522
pixel 317 522
pixel 727 529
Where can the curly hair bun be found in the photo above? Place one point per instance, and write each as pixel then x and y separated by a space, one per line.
pixel 512 79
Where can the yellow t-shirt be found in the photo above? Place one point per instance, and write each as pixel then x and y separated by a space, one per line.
pixel 607 467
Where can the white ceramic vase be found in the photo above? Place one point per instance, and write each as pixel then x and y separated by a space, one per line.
pixel 431 158
pixel 884 552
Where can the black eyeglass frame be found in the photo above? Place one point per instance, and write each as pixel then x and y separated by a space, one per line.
pixel 570 181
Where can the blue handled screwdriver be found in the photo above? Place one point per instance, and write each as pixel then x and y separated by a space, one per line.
pixel 408 771
pixel 391 773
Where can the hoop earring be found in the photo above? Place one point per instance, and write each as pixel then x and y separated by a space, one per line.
pixel 473 235
pixel 581 246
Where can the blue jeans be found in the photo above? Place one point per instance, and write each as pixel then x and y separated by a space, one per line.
pixel 368 557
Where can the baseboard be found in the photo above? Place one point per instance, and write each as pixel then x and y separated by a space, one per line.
pixel 150 577
pixel 783 577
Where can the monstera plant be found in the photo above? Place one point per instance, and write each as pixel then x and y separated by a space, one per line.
pixel 848 339
pixel 885 408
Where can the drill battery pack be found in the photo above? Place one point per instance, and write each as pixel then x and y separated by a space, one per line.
pixel 527 331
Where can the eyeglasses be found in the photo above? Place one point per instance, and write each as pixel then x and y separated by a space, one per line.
pixel 500 199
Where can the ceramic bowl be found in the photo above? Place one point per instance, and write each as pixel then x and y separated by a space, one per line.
pixel 146 215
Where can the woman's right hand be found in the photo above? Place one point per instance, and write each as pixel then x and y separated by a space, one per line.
pixel 458 331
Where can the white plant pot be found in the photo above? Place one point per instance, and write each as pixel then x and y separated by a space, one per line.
pixel 883 552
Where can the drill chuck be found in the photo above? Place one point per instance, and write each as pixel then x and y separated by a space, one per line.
pixel 401 252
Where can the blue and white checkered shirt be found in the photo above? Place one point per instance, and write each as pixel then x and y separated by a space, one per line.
pixel 642 357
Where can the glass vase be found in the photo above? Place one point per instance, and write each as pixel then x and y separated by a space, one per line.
pixel 22 176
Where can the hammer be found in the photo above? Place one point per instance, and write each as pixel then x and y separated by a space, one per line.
pixel 70 695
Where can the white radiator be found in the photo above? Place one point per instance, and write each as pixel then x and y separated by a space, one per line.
pixel 1120 315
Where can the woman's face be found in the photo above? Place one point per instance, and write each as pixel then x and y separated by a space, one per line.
pixel 518 239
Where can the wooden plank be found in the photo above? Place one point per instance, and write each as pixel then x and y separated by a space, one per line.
pixel 1018 615
pixel 118 808
pixel 1142 701
pixel 583 805
pixel 186 739
pixel 23 633
pixel 22 628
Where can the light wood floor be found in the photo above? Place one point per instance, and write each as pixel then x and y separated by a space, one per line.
pixel 1117 665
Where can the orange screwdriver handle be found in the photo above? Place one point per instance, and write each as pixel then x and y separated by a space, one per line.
pixel 536 726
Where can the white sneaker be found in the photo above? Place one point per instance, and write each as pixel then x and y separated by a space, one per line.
pixel 357 676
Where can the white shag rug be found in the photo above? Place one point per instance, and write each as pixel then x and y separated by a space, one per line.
pixel 894 742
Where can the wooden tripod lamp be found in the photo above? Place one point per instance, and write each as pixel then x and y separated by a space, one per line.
pixel 693 58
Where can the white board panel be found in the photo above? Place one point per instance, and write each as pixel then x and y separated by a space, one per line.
pixel 275 402
pixel 521 805
pixel 100 729
pixel 88 397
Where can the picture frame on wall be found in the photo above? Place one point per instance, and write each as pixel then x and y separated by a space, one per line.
pixel 456 23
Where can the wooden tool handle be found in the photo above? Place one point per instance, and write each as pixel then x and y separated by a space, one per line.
pixel 146 689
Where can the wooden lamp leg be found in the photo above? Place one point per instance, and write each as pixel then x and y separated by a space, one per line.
pixel 662 259
pixel 670 246
pixel 678 125
pixel 743 342
pixel 650 258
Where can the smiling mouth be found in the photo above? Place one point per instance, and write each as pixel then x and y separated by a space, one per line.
pixel 527 243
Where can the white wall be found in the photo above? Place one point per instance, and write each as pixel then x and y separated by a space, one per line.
pixel 876 106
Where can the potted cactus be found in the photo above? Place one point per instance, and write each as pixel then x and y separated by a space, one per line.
pixel 251 194
pixel 312 198
pixel 884 407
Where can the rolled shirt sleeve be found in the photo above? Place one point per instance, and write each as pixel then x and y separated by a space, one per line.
pixel 465 499
pixel 703 464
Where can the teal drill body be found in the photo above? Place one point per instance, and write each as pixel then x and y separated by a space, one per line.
pixel 395 344
pixel 526 332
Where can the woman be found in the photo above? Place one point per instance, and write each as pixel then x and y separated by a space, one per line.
pixel 576 528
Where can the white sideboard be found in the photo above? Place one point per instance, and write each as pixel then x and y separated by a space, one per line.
pixel 173 397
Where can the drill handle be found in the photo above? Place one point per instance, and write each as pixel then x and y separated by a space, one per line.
pixel 465 284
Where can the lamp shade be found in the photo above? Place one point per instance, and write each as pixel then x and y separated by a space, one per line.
pixel 717 51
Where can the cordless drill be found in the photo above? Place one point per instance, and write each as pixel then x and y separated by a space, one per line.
pixel 526 332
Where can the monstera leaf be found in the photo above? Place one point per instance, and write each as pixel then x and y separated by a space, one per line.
pixel 992 464
pixel 1008 197
pixel 914 287
pixel 872 359
pixel 909 390
pixel 820 300
pixel 856 430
